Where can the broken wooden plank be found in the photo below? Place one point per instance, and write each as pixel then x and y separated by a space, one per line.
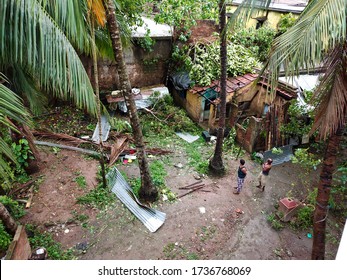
pixel 197 182
pixel 193 190
pixel 191 187
pixel 22 187
pixel 31 195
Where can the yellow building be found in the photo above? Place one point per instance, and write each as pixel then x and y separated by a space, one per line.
pixel 272 16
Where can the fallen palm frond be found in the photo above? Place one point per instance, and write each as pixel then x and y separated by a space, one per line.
pixel 60 137
pixel 117 149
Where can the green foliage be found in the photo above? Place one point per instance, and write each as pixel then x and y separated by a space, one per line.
pixel 206 62
pixel 146 42
pixel 5 238
pixel 184 13
pixel 275 222
pixel 286 21
pixel 81 181
pixel 135 184
pixel 15 209
pixel 168 119
pixel 158 173
pixel 255 158
pixel 98 198
pixel 120 125
pixel 195 156
pixel 307 161
pixel 23 154
pixel 300 119
pixel 304 218
pixel 258 41
pixel 277 151
pixel 45 239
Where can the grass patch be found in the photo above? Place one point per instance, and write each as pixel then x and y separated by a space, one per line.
pixel 54 250
pixel 81 181
pixel 275 223
pixel 98 198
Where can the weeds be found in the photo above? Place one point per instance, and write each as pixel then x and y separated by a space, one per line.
pixel 16 210
pixel 54 250
pixel 5 238
pixel 174 251
pixel 81 181
pixel 98 198
pixel 275 223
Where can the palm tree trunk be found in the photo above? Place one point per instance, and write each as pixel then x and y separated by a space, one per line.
pixel 7 220
pixel 148 191
pixel 216 163
pixel 322 201
pixel 97 98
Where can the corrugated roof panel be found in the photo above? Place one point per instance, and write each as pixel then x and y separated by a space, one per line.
pixel 151 218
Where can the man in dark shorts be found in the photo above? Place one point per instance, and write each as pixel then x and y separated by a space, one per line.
pixel 263 176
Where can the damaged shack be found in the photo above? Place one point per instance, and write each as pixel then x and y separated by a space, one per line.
pixel 256 114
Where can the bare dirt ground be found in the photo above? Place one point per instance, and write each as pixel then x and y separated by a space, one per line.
pixel 232 227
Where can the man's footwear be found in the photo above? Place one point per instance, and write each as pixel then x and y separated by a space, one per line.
pixel 259 186
pixel 236 193
pixel 263 188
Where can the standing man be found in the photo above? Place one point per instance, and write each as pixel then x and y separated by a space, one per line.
pixel 241 175
pixel 264 174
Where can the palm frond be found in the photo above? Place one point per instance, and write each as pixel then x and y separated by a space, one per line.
pixel 70 16
pixel 245 10
pixel 26 87
pixel 30 38
pixel 12 107
pixel 331 94
pixel 320 28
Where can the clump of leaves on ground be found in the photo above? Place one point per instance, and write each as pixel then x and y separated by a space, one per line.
pixel 165 119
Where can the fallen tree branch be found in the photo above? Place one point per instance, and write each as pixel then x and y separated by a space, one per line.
pixel 149 111
pixel 90 152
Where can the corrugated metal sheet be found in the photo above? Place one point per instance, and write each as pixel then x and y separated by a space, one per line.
pixel 232 84
pixel 105 130
pixel 151 218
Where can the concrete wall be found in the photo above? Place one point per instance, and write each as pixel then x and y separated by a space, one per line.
pixel 144 68
pixel 249 137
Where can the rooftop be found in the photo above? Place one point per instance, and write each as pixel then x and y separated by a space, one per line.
pixel 289 6
pixel 156 30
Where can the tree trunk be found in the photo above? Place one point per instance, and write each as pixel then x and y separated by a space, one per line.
pixel 322 201
pixel 148 191
pixel 97 99
pixel 9 223
pixel 216 164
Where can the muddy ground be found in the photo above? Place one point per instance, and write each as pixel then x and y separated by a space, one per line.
pixel 231 227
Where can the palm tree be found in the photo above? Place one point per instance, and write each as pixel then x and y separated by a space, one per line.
pixel 147 191
pixel 241 15
pixel 216 163
pixel 31 41
pixel 319 36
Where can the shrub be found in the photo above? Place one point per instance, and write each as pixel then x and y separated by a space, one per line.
pixel 5 238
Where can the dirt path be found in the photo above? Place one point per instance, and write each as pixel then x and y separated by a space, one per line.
pixel 218 232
